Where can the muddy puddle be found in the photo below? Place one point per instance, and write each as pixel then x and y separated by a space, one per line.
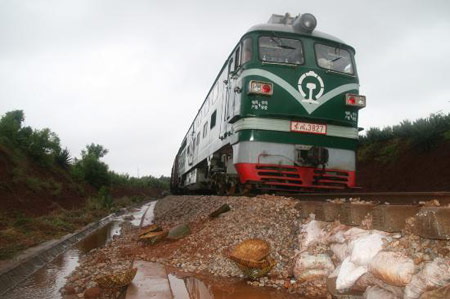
pixel 46 282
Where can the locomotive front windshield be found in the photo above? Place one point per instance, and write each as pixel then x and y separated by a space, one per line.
pixel 280 50
pixel 334 59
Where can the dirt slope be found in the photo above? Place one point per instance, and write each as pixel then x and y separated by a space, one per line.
pixel 404 168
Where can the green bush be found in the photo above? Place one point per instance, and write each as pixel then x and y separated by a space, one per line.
pixel 34 183
pixel 63 159
pixel 423 133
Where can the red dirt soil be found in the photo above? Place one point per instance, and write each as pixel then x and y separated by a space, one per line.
pixel 19 195
pixel 411 170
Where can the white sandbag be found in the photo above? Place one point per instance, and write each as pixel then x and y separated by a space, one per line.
pixel 375 292
pixel 355 233
pixel 335 273
pixel 337 234
pixel 442 292
pixel 368 280
pixel 348 274
pixel 340 250
pixel 311 233
pixel 435 274
pixel 392 267
pixel 306 262
pixel 364 248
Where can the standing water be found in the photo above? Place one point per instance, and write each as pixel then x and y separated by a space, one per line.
pixel 47 281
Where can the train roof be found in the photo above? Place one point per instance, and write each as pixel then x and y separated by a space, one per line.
pixel 280 23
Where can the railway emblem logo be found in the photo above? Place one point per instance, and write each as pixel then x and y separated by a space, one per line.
pixel 311 87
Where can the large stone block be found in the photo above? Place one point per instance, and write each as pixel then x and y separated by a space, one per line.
pixel 354 213
pixel 391 218
pixel 310 207
pixel 433 223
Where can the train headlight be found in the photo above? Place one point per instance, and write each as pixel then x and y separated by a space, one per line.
pixel 305 23
pixel 355 100
pixel 259 87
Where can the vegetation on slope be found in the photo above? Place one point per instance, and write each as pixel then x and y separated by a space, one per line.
pixel 410 156
pixel 45 193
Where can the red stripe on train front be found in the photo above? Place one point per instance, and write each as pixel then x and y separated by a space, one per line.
pixel 292 178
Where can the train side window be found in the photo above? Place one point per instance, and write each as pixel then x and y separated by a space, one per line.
pixel 205 129
pixel 231 65
pixel 213 119
pixel 183 144
pixel 198 139
pixel 237 58
pixel 247 51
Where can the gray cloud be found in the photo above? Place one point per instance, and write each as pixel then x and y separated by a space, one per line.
pixel 131 75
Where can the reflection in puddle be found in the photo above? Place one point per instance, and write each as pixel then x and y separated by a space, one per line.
pixel 47 281
pixel 198 289
pixel 144 215
pixel 204 288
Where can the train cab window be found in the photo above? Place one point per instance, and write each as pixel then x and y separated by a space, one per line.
pixel 275 49
pixel 198 138
pixel 334 59
pixel 213 119
pixel 205 129
pixel 247 50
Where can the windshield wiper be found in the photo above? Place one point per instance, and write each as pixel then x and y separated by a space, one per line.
pixel 336 59
pixel 280 43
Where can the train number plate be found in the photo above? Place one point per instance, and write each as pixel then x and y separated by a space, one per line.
pixel 298 126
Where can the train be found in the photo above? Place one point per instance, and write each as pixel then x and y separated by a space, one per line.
pixel 281 116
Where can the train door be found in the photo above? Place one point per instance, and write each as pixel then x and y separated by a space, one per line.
pixel 225 127
pixel 231 92
pixel 191 149
pixel 234 86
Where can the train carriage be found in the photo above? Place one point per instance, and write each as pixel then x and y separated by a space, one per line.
pixel 282 115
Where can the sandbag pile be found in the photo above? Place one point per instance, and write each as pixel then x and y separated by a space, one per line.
pixel 340 259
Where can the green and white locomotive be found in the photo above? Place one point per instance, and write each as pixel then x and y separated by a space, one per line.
pixel 282 115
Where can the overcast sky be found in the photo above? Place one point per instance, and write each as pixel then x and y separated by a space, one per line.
pixel 131 74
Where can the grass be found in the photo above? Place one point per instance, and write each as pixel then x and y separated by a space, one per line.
pixel 18 232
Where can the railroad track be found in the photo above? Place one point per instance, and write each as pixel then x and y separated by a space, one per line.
pixel 395 198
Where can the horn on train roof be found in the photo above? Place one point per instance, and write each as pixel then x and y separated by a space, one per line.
pixel 303 23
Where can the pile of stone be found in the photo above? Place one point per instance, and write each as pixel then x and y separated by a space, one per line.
pixel 110 259
pixel 270 218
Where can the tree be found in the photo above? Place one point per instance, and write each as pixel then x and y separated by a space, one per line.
pixel 10 125
pixel 90 168
pixel 95 150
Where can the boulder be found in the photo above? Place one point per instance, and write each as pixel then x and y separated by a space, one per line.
pixel 178 232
